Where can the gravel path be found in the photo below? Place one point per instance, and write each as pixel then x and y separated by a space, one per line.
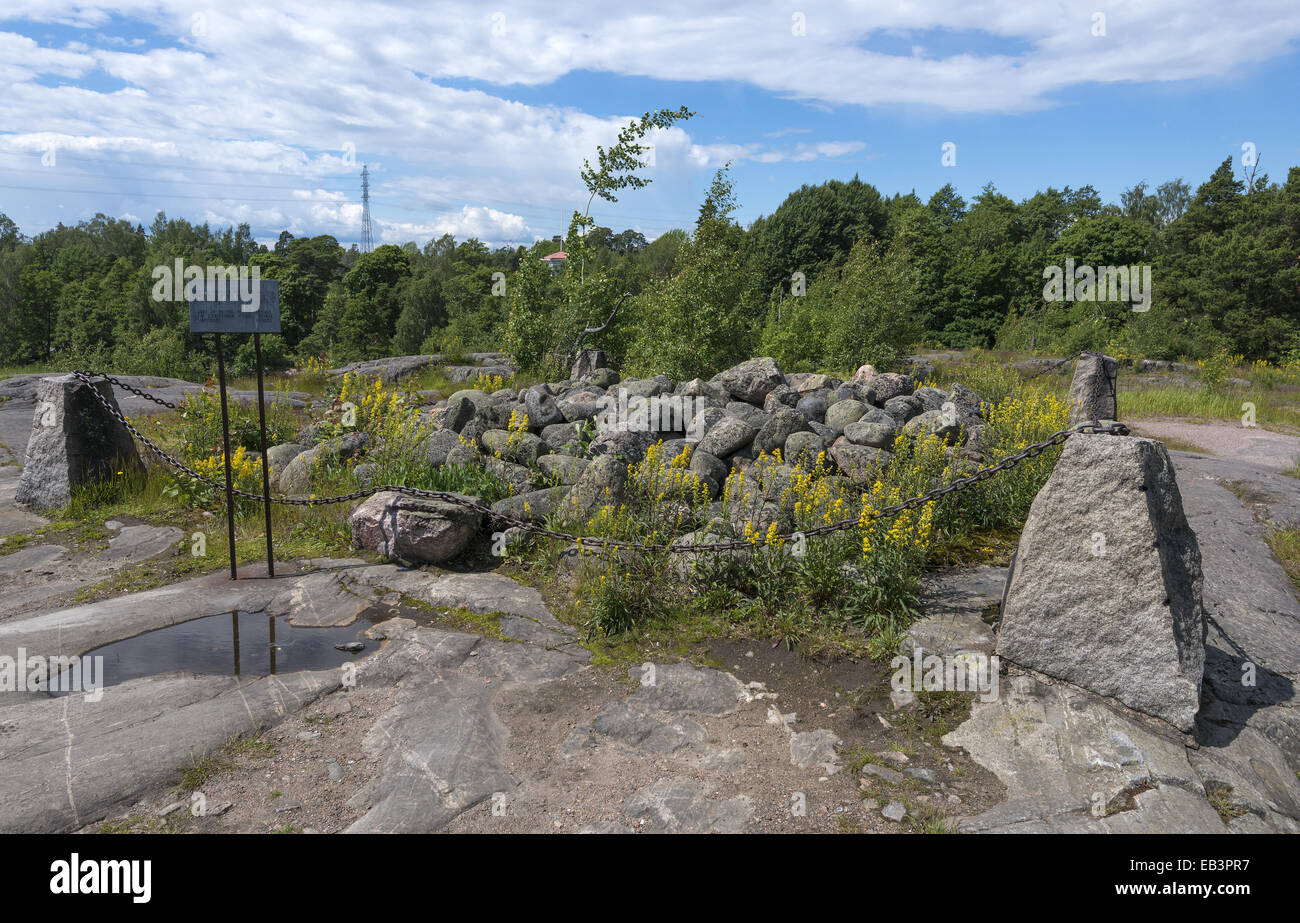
pixel 1251 445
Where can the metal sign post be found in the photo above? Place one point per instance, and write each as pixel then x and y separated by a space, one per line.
pixel 225 449
pixel 266 467
pixel 256 316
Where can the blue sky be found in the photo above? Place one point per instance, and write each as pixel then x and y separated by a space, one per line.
pixel 475 118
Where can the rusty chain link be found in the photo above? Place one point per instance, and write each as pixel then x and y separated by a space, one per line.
pixel 983 474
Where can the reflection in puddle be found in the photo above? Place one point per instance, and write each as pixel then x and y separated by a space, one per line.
pixel 231 644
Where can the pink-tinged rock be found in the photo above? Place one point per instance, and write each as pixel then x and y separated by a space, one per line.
pixel 863 375
pixel 412 528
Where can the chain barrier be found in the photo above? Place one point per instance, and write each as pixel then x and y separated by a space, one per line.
pixel 983 474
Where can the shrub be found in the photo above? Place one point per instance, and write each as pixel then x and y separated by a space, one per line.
pixel 273 356
pixel 201 432
pixel 161 352
pixel 245 474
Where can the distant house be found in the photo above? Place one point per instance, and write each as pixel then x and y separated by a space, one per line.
pixel 555 260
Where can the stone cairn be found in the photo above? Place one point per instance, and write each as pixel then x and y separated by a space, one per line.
pixel 727 421
pixel 1104 592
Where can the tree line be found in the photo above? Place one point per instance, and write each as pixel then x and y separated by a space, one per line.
pixel 837 275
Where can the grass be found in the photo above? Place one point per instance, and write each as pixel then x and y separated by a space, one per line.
pixel 1220 798
pixel 926 818
pixel 855 758
pixel 135 823
pixel 1285 545
pixel 487 624
pixel 936 713
pixel 202 771
pixel 1174 444
pixel 251 746
pixel 1274 391
pixel 299 532
pixel 1199 402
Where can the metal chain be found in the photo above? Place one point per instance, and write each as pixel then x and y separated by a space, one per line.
pixel 983 474
pixel 86 376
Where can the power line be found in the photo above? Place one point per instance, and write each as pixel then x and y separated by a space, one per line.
pixel 150 179
pixel 161 195
pixel 144 163
pixel 449 209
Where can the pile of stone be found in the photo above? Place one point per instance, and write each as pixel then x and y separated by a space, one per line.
pixel 571 454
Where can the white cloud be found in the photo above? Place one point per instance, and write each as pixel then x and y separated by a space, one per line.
pixel 486 224
pixel 710 155
pixel 258 105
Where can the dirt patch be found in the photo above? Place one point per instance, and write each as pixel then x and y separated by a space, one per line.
pixel 569 783
pixel 297 776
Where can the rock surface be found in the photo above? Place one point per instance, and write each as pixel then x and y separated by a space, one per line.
pixel 1105 591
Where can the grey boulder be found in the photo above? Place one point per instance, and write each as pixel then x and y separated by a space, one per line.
pixel 1105 591
pixel 933 423
pixel 875 435
pixel 74 440
pixel 601 484
pixel 727 436
pixel 1092 390
pixel 843 412
pixel 750 381
pixel 780 426
pixel 860 463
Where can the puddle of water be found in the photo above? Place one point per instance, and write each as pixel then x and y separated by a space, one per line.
pixel 231 644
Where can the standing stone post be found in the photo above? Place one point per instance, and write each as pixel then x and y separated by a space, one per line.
pixel 1105 591
pixel 587 361
pixel 74 440
pixel 1092 392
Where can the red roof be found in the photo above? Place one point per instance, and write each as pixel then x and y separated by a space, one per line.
pixel 557 255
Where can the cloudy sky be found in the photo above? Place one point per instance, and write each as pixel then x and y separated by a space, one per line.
pixel 474 118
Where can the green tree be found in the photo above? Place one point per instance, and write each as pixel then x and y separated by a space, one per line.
pixel 701 320
pixel 542 333
pixel 423 310
pixel 815 227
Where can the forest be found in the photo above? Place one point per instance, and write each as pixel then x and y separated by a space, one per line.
pixel 839 274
